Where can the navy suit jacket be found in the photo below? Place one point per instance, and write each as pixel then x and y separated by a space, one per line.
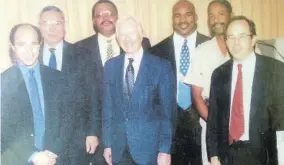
pixel 144 123
pixel 17 128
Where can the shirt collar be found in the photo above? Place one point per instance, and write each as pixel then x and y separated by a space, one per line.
pixel 58 47
pixel 248 61
pixel 137 57
pixel 24 69
pixel 189 38
pixel 104 38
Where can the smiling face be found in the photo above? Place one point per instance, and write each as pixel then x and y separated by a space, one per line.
pixel 184 18
pixel 218 18
pixel 104 19
pixel 26 45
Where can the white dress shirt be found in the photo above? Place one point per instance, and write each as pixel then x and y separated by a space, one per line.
pixel 136 63
pixel 58 54
pixel 102 41
pixel 248 69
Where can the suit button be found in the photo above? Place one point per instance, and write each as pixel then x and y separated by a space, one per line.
pixel 32 135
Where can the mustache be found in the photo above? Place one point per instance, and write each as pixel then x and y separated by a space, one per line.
pixel 183 23
pixel 215 24
pixel 106 22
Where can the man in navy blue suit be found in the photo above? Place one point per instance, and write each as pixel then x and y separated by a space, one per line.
pixel 139 103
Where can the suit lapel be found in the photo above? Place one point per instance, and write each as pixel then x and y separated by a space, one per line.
pixel 94 46
pixel 258 87
pixel 227 80
pixel 120 75
pixel 66 56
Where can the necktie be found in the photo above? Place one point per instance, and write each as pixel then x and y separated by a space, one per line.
pixel 52 59
pixel 109 50
pixel 129 77
pixel 237 127
pixel 184 91
pixel 39 123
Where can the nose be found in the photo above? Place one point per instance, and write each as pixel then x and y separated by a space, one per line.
pixel 51 28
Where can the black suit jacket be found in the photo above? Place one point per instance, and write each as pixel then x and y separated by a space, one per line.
pixel 265 113
pixel 165 49
pixel 17 128
pixel 91 44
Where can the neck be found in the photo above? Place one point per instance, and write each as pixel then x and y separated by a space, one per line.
pixel 222 44
pixel 52 45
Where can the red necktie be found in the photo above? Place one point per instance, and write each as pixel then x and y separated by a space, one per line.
pixel 237 126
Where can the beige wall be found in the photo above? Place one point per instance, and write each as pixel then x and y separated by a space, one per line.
pixel 154 14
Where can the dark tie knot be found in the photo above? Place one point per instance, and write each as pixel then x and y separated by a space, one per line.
pixel 240 66
pixel 52 50
pixel 109 41
pixel 130 61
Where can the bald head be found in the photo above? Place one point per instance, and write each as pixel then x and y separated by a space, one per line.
pixel 184 18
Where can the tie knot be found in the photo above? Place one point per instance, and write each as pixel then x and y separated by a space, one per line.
pixel 31 72
pixel 52 50
pixel 240 66
pixel 185 42
pixel 130 60
pixel 109 41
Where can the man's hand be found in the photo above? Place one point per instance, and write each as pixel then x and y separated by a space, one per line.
pixel 164 159
pixel 44 158
pixel 91 144
pixel 214 161
pixel 107 156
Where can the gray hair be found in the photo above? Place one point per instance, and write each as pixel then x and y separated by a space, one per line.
pixel 52 8
pixel 123 20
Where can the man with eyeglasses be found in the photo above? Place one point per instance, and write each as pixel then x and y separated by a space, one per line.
pixel 246 102
pixel 207 57
pixel 34 98
pixel 83 75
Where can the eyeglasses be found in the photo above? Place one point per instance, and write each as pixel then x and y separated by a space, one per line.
pixel 241 37
pixel 51 22
pixel 104 14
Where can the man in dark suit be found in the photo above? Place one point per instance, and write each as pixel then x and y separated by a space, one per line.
pixel 35 117
pixel 245 99
pixel 187 142
pixel 103 44
pixel 139 103
pixel 84 77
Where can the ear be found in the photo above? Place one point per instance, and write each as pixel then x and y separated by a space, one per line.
pixel 232 14
pixel 196 17
pixel 254 40
pixel 12 47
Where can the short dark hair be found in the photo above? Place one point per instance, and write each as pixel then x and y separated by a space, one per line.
pixel 16 27
pixel 52 8
pixel 248 21
pixel 225 3
pixel 103 1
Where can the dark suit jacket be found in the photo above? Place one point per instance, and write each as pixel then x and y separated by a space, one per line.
pixel 17 128
pixel 85 78
pixel 265 106
pixel 145 122
pixel 91 44
pixel 165 49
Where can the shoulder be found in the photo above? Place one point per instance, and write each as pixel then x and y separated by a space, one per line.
pixel 202 37
pixel 163 43
pixel 87 40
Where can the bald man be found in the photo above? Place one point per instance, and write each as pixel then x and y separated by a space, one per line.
pixel 178 49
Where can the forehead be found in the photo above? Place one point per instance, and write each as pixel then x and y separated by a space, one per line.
pixel 128 26
pixel 51 15
pixel 238 26
pixel 183 6
pixel 217 7
pixel 26 33
pixel 104 7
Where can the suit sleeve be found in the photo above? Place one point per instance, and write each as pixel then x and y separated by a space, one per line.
pixel 211 132
pixel 167 99
pixel 107 107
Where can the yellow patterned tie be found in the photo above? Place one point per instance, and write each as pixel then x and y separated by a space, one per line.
pixel 109 49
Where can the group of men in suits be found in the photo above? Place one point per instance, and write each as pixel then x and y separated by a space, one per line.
pixel 108 99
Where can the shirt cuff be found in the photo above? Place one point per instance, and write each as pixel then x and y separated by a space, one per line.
pixel 31 157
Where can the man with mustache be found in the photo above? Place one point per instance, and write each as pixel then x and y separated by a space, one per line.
pixel 187 142
pixel 207 57
pixel 75 63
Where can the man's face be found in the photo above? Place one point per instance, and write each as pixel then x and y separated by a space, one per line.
pixel 184 18
pixel 129 37
pixel 239 40
pixel 52 26
pixel 218 17
pixel 26 46
pixel 104 19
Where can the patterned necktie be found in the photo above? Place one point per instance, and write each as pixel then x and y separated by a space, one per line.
pixel 52 59
pixel 184 91
pixel 109 50
pixel 39 123
pixel 129 77
pixel 237 126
